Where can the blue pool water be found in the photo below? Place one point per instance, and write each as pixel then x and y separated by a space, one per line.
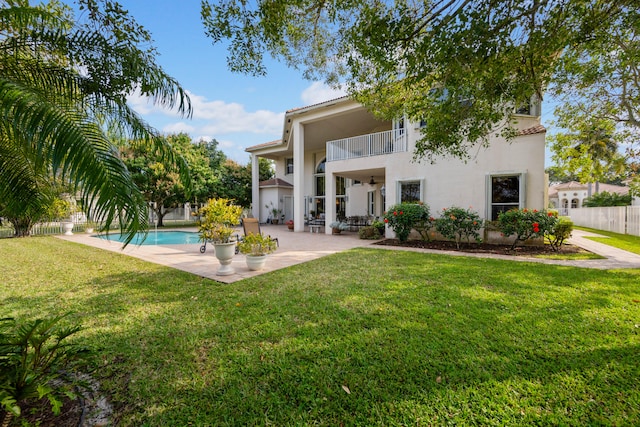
pixel 157 238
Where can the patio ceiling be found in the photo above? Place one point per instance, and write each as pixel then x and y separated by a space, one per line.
pixel 345 125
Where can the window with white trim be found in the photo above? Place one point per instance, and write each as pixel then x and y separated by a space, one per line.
pixel 410 191
pixel 506 191
pixel 288 166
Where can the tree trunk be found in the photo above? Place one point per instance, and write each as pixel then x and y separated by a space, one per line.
pixel 21 226
pixel 160 214
pixel 8 416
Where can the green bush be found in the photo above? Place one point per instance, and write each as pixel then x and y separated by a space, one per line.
pixel 404 217
pixel 32 355
pixel 605 198
pixel 560 232
pixel 369 233
pixel 379 225
pixel 526 224
pixel 456 224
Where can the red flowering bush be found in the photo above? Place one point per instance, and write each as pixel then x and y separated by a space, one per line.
pixel 457 224
pixel 526 224
pixel 404 217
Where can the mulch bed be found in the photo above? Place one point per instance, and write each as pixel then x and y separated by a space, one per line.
pixel 38 413
pixel 529 250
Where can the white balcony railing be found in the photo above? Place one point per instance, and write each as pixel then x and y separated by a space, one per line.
pixel 373 144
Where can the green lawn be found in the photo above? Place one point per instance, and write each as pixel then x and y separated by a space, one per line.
pixel 622 241
pixel 362 338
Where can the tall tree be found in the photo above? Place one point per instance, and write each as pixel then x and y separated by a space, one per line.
pixel 159 180
pixel 62 83
pixel 589 147
pixel 235 182
pixel 460 66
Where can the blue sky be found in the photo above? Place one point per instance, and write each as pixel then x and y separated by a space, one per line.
pixel 237 110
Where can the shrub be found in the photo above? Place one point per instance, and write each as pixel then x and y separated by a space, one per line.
pixel 560 232
pixel 605 198
pixel 257 245
pixel 456 224
pixel 217 220
pixel 404 217
pixel 369 233
pixel 32 355
pixel 526 224
pixel 379 225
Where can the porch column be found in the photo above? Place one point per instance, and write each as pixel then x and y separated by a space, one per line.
pixel 329 198
pixel 255 187
pixel 298 176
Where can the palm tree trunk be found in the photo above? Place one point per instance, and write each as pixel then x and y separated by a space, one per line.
pixel 21 226
pixel 8 416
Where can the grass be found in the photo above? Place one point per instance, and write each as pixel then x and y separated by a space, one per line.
pixel 583 255
pixel 366 337
pixel 626 242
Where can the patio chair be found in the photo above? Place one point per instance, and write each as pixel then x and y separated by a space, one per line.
pixel 251 225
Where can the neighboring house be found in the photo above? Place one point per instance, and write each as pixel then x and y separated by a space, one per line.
pixel 342 161
pixel 571 195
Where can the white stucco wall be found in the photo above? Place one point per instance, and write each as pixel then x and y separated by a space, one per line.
pixel 451 182
pixel 446 183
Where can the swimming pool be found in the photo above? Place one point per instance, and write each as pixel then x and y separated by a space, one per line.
pixel 157 238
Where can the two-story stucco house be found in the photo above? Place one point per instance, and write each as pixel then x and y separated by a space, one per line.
pixel 335 159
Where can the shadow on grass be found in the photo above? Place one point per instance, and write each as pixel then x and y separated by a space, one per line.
pixel 366 337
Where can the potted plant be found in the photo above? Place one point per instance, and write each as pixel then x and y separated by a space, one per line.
pixel 217 220
pixel 290 225
pixel 256 247
pixel 62 210
pixel 275 213
pixel 89 226
pixel 338 226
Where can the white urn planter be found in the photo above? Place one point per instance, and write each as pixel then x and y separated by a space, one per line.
pixel 256 262
pixel 67 227
pixel 225 253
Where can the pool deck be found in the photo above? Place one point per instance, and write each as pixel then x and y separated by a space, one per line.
pixel 296 248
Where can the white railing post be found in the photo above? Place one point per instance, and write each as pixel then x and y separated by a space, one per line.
pixel 373 144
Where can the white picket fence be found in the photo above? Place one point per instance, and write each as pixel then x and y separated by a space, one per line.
pixel 179 215
pixel 618 219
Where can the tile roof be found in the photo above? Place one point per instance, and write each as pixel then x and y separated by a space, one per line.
pixel 533 130
pixel 275 182
pixel 574 185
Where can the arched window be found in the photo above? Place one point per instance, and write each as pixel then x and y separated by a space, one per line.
pixel 575 203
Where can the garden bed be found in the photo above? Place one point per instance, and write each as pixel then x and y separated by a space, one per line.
pixel 528 250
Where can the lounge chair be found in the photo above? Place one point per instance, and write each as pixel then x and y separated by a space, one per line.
pixel 251 225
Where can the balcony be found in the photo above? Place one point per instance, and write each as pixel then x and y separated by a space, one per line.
pixel 373 144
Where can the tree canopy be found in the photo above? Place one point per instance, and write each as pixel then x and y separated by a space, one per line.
pixel 159 179
pixel 461 66
pixel 63 83
pixel 590 148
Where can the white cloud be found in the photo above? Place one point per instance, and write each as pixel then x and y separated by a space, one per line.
pixel 215 117
pixel 178 128
pixel 319 92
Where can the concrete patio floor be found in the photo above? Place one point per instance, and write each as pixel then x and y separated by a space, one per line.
pixel 296 248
